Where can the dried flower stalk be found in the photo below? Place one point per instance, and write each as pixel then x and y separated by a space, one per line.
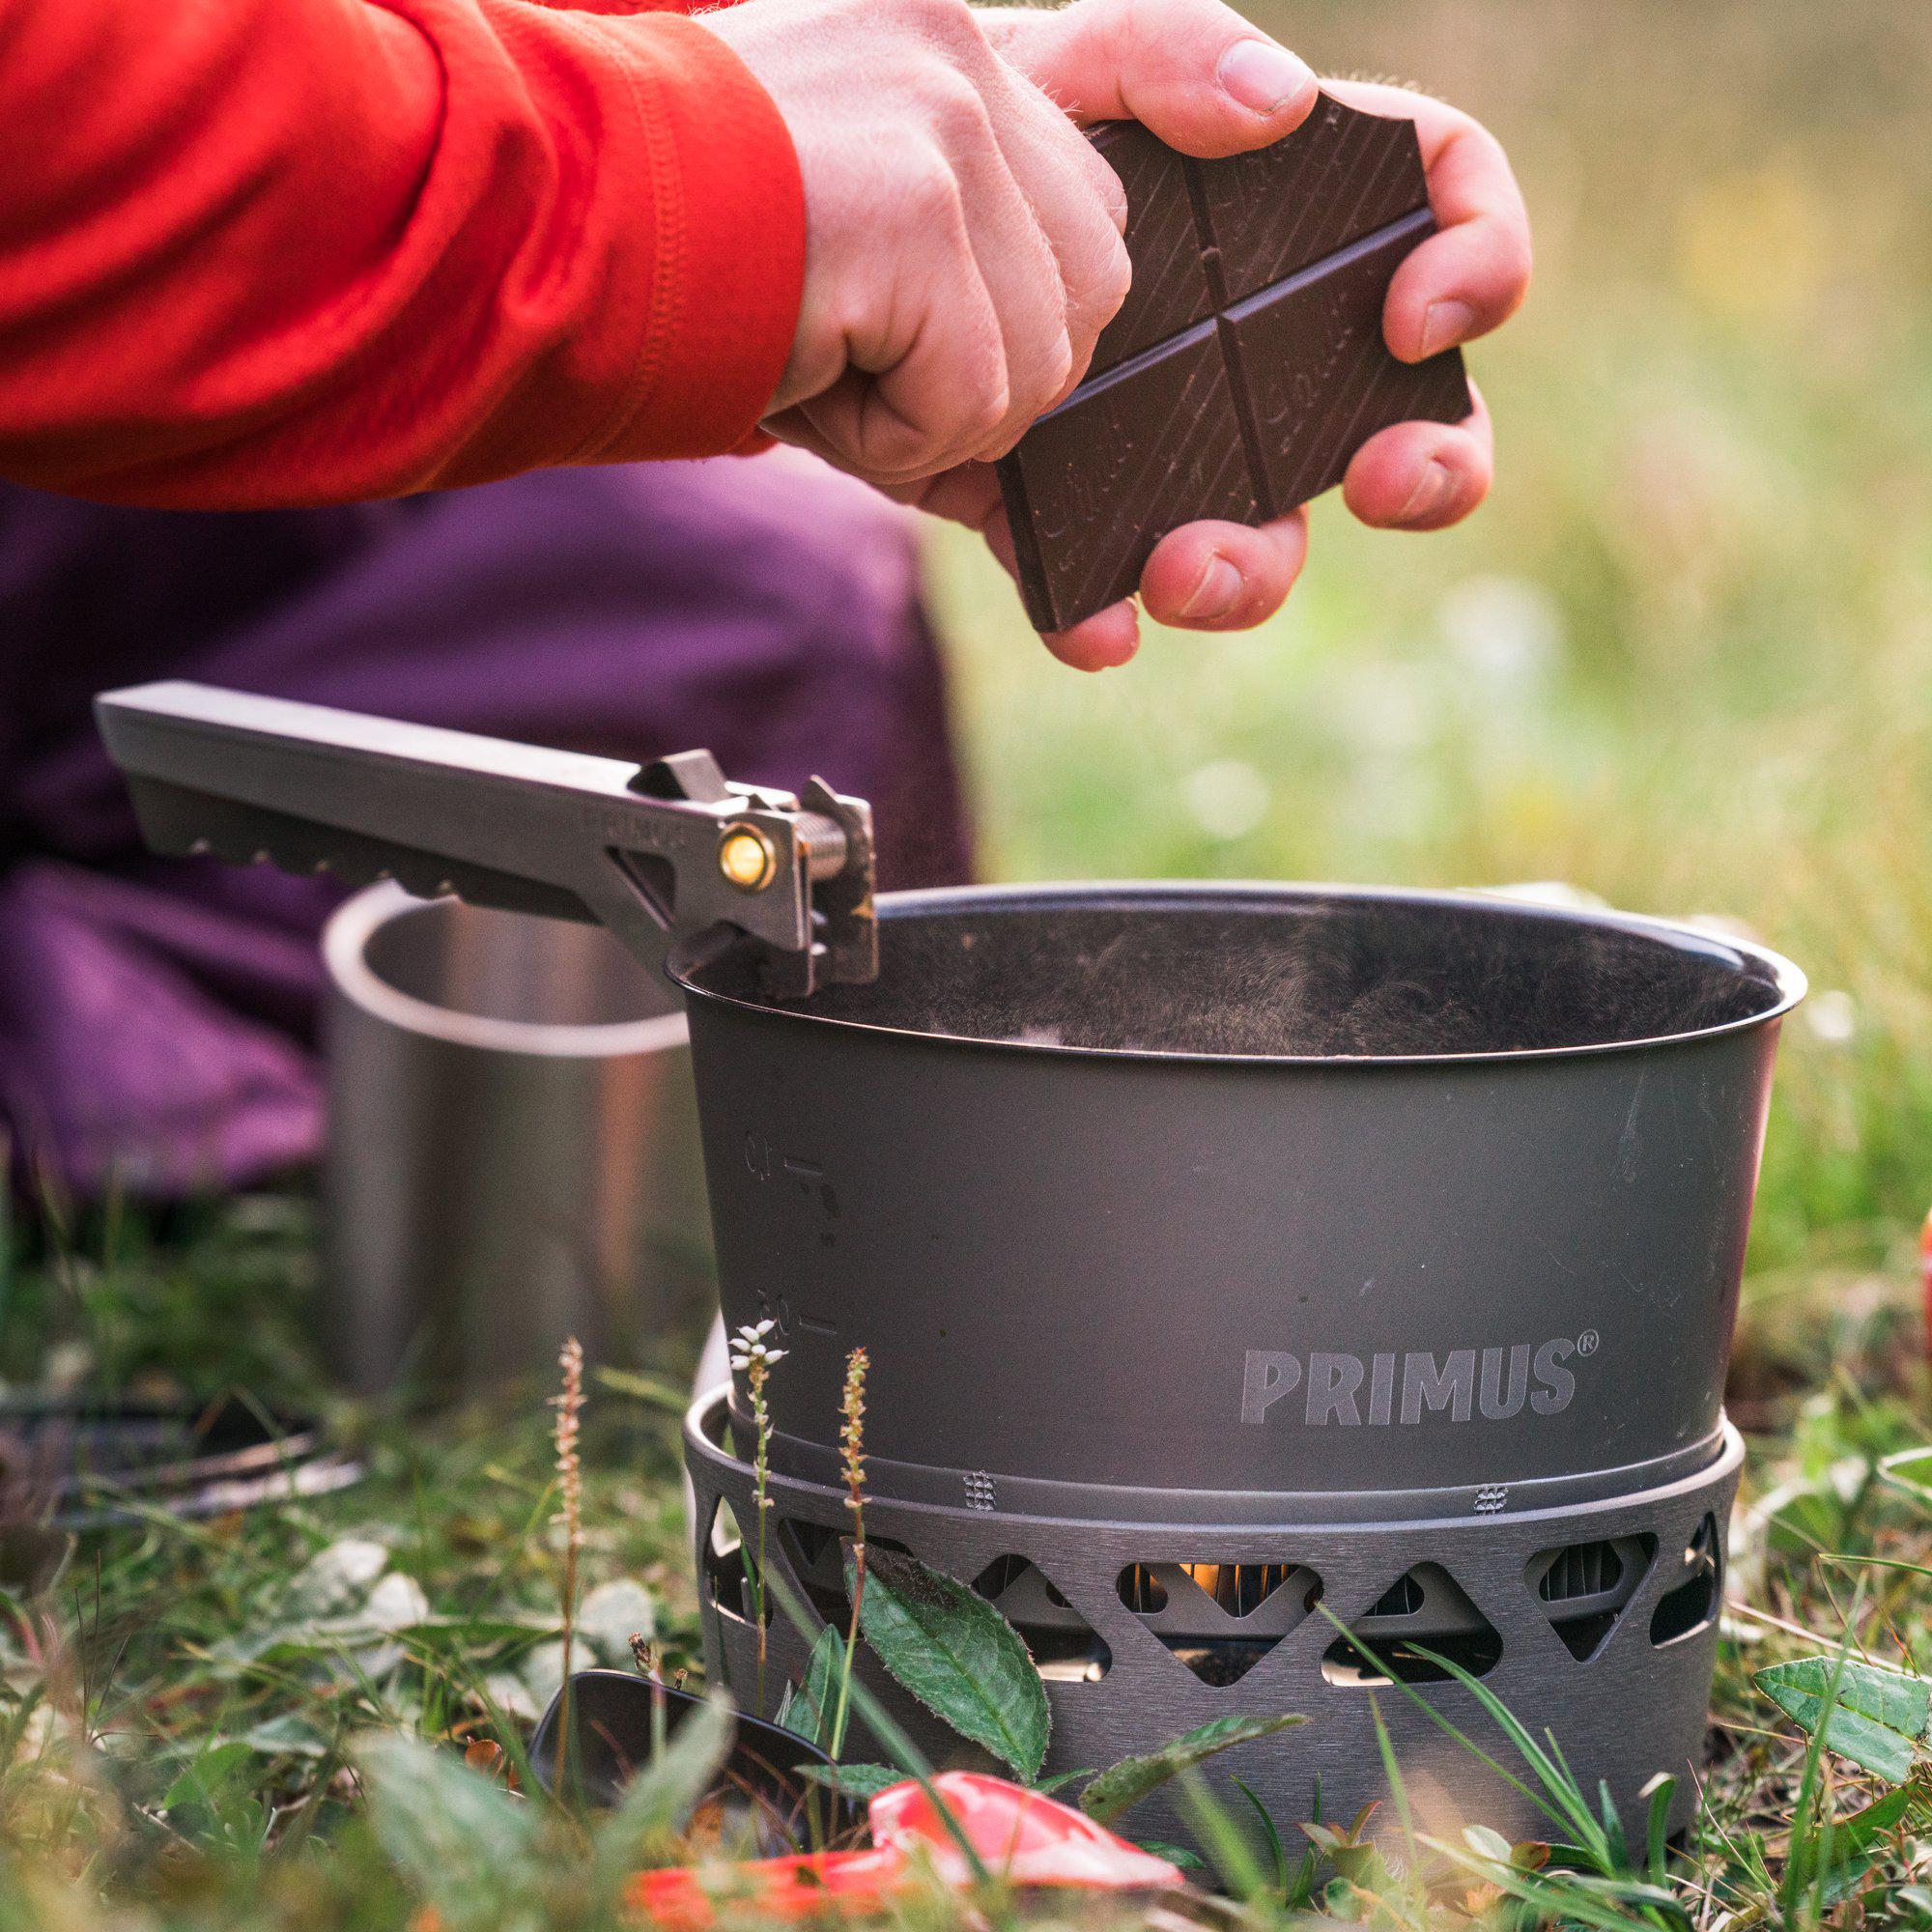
pixel 569 1406
pixel 754 1359
pixel 852 1461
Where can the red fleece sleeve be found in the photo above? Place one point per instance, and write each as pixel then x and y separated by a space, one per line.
pixel 275 252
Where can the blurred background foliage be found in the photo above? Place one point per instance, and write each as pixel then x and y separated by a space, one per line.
pixel 1683 658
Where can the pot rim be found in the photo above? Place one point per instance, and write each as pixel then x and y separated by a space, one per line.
pixel 1787 983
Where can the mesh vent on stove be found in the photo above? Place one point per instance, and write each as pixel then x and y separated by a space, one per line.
pixel 1424 1609
pixel 1690 1605
pixel 1220 1619
pixel 1402 1599
pixel 1583 1587
pixel 816 1553
pixel 726 1582
pixel 1065 1647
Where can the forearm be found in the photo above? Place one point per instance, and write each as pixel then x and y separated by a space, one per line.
pixel 263 252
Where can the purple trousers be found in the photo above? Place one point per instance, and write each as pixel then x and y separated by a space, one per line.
pixel 157 1016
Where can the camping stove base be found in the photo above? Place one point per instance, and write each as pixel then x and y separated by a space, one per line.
pixel 1598 1622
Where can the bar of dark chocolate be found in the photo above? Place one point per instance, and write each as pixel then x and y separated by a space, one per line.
pixel 1169 290
pixel 1247 365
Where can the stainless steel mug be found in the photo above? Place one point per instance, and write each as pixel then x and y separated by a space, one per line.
pixel 514 1154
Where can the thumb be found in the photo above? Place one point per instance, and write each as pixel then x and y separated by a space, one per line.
pixel 1194 71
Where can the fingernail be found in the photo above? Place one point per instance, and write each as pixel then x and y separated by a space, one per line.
pixel 1430 496
pixel 1214 595
pixel 1444 323
pixel 1263 77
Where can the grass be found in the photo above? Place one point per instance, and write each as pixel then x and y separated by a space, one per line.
pixel 182 1715
pixel 1681 660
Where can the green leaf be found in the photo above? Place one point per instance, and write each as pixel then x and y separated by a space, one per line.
pixel 1060 1779
pixel 460 1838
pixel 657 1803
pixel 862 1781
pixel 1271 1835
pixel 1488 1844
pixel 288 1735
pixel 956 1654
pixel 1862 1830
pixel 206 1775
pixel 1175 1855
pixel 1124 1784
pixel 1877 1718
pixel 1858 1839
pixel 1663 1789
pixel 806 1707
pixel 1843 1878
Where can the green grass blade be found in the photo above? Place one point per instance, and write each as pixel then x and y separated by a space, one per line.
pixel 657 1802
pixel 1270 1836
pixel 1657 1828
pixel 1221 1838
pixel 1449 1727
pixel 1122 1786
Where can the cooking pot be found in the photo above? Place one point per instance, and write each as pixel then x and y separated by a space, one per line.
pixel 1269 1290
pixel 1243 1192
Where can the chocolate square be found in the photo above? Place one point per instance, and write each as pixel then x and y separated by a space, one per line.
pixel 1310 358
pixel 1340 176
pixel 1170 290
pixel 1097 482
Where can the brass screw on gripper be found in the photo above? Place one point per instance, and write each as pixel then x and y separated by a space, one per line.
pixel 747 857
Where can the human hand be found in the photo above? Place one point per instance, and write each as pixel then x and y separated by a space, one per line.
pixel 1159 62
pixel 962 239
pixel 948 340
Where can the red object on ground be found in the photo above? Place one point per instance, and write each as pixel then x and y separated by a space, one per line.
pixel 1023 1836
pixel 266 253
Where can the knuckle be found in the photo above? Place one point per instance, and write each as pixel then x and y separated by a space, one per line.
pixel 956 109
pixel 928 194
pixel 984 409
pixel 981 407
pixel 1097 285
pixel 1044 373
pixel 948 23
pixel 1110 189
pixel 1058 372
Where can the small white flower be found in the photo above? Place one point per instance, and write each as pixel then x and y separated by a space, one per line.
pixel 749 1345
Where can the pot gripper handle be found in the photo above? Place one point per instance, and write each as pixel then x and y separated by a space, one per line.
pixel 669 856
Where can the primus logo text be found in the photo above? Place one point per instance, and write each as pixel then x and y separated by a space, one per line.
pixel 1494 1384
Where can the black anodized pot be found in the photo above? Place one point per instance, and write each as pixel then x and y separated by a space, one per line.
pixel 1214 1201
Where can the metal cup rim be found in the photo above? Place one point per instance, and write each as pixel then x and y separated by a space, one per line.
pixel 345 952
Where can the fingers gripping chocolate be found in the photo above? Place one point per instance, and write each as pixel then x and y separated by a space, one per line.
pixel 1248 363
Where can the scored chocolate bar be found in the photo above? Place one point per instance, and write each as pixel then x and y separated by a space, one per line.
pixel 1247 365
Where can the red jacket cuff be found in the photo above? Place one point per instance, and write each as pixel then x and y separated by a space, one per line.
pixel 728 265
